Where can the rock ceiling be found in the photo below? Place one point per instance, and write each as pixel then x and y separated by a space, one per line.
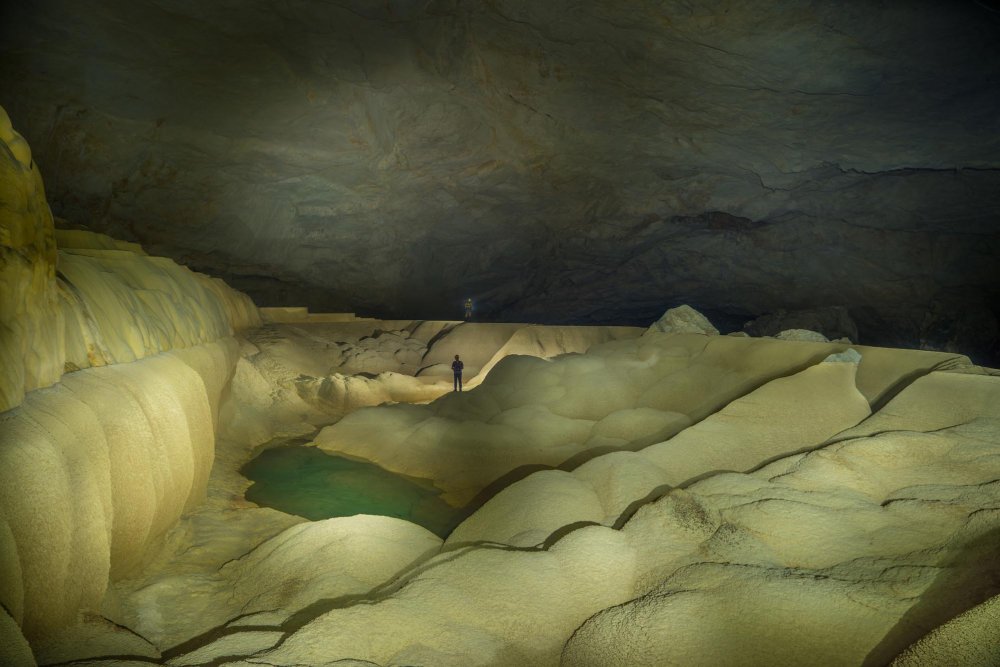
pixel 558 161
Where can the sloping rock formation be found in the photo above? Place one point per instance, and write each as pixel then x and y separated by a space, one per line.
pixel 75 299
pixel 620 395
pixel 95 469
pixel 865 516
pixel 817 501
pixel 558 162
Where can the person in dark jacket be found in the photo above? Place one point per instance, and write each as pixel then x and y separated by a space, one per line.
pixel 456 368
pixel 468 309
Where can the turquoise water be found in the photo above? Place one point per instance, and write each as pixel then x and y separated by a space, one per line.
pixel 316 485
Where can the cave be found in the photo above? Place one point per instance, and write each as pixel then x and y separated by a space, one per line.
pixel 722 280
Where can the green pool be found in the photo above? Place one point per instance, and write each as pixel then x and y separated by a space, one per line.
pixel 316 485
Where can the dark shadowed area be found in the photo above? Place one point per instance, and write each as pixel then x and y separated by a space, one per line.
pixel 560 162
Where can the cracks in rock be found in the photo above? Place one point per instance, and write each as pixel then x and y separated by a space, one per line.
pixel 319 608
pixel 903 383
pixel 890 431
pixel 113 659
pixel 718 49
pixel 541 34
pixel 416 16
pixel 790 91
pixel 529 107
pixel 809 175
pixel 890 501
pixel 936 232
pixel 957 169
pixel 315 610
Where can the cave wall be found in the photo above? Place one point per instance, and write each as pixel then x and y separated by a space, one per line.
pixel 72 299
pixel 114 364
pixel 29 308
pixel 95 470
pixel 557 161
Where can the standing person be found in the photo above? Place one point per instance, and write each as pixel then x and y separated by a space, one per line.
pixel 456 368
pixel 468 309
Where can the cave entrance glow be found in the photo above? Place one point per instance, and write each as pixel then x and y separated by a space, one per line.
pixel 316 485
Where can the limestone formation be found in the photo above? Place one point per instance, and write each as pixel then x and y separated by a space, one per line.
pixel 530 412
pixel 671 498
pixel 92 300
pixel 879 521
pixel 30 317
pixel 97 468
pixel 812 558
pixel 314 373
pixel 558 162
pixel 112 457
pixel 683 319
pixel 738 437
pixel 296 567
pixel 839 522
pixel 802 334
pixel 833 322
pixel 968 640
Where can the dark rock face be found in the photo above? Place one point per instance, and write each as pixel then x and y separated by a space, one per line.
pixel 833 322
pixel 556 161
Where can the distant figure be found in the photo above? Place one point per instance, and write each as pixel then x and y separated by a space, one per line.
pixel 456 368
pixel 468 310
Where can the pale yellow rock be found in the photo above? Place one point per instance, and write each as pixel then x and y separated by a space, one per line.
pixel 683 319
pixel 621 479
pixel 67 239
pixel 746 433
pixel 111 304
pixel 476 344
pixel 546 501
pixel 325 559
pixel 30 318
pixel 815 558
pixel 477 607
pixel 803 335
pixel 935 401
pixel 12 582
pixel 784 415
pixel 96 469
pixel 742 620
pixel 93 637
pixel 284 314
pixel 703 373
pixel 844 538
pixel 883 369
pixel 969 640
pixel 545 342
pixel 248 642
pixel 138 305
pixel 529 411
pixel 636 424
pixel 837 554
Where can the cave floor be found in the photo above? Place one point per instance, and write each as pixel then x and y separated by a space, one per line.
pixel 800 479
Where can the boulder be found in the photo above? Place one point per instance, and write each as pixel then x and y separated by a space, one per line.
pixel 803 335
pixel 832 321
pixel 683 319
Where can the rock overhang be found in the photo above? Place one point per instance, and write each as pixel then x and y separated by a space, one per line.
pixel 557 163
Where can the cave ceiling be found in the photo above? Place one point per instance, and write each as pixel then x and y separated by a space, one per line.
pixel 557 161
